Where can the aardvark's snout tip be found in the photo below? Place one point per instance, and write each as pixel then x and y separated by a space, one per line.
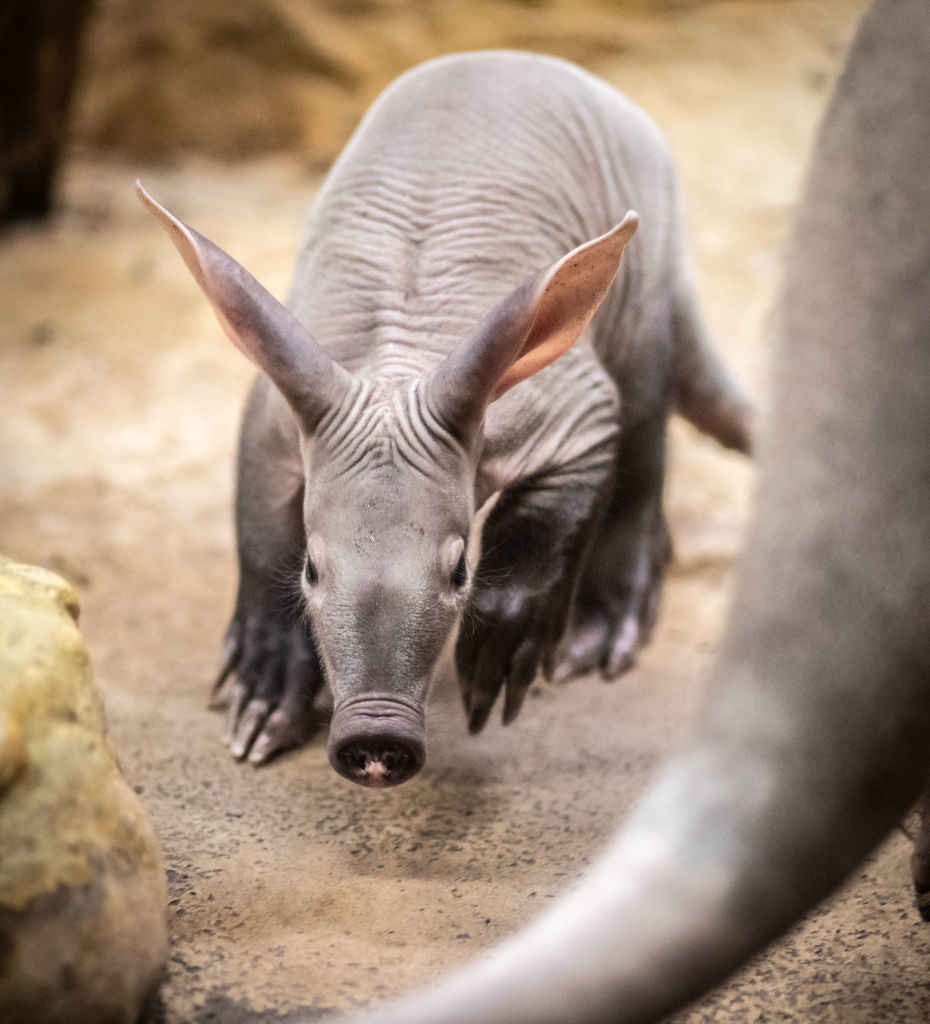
pixel 377 740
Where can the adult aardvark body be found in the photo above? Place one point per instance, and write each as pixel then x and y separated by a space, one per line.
pixel 388 412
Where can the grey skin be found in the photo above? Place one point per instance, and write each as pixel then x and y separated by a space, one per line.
pixel 385 417
pixel 815 737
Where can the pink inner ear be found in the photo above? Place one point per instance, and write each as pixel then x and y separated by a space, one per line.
pixel 573 289
pixel 537 356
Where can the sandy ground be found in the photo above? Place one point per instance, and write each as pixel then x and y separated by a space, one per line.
pixel 292 889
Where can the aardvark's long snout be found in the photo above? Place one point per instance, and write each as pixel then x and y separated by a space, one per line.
pixel 377 739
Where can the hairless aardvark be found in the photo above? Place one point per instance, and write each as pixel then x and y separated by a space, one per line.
pixel 425 364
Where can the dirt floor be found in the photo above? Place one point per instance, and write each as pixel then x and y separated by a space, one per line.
pixel 291 889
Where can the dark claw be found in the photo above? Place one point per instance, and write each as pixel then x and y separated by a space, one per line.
pixel 522 673
pixel 479 715
pixel 512 704
pixel 238 696
pixel 548 662
pixel 229 661
pixel 922 902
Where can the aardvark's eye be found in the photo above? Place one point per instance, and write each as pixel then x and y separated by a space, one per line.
pixel 460 573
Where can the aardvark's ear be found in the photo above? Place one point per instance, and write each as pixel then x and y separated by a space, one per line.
pixel 532 327
pixel 258 325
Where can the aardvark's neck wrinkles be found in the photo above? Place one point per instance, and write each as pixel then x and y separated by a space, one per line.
pixel 383 428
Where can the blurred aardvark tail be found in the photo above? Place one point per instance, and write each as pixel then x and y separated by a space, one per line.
pixel 704 391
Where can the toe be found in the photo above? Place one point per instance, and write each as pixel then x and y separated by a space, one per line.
pixel 623 650
pixel 229 661
pixel 522 674
pixel 280 732
pixel 480 711
pixel 238 697
pixel 582 652
pixel 250 722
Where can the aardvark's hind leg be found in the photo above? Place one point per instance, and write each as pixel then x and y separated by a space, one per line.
pixel 621 582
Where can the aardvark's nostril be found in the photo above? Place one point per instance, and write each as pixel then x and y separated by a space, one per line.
pixel 377 763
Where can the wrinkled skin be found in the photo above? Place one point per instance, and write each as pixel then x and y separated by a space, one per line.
pixel 395 406
pixel 815 737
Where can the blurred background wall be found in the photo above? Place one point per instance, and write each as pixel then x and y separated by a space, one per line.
pixel 161 80
pixel 237 79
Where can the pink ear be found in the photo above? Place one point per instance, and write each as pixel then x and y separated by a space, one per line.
pixel 194 250
pixel 257 324
pixel 569 294
pixel 534 325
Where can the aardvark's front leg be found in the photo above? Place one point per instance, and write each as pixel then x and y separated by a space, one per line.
pixel 532 547
pixel 269 645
